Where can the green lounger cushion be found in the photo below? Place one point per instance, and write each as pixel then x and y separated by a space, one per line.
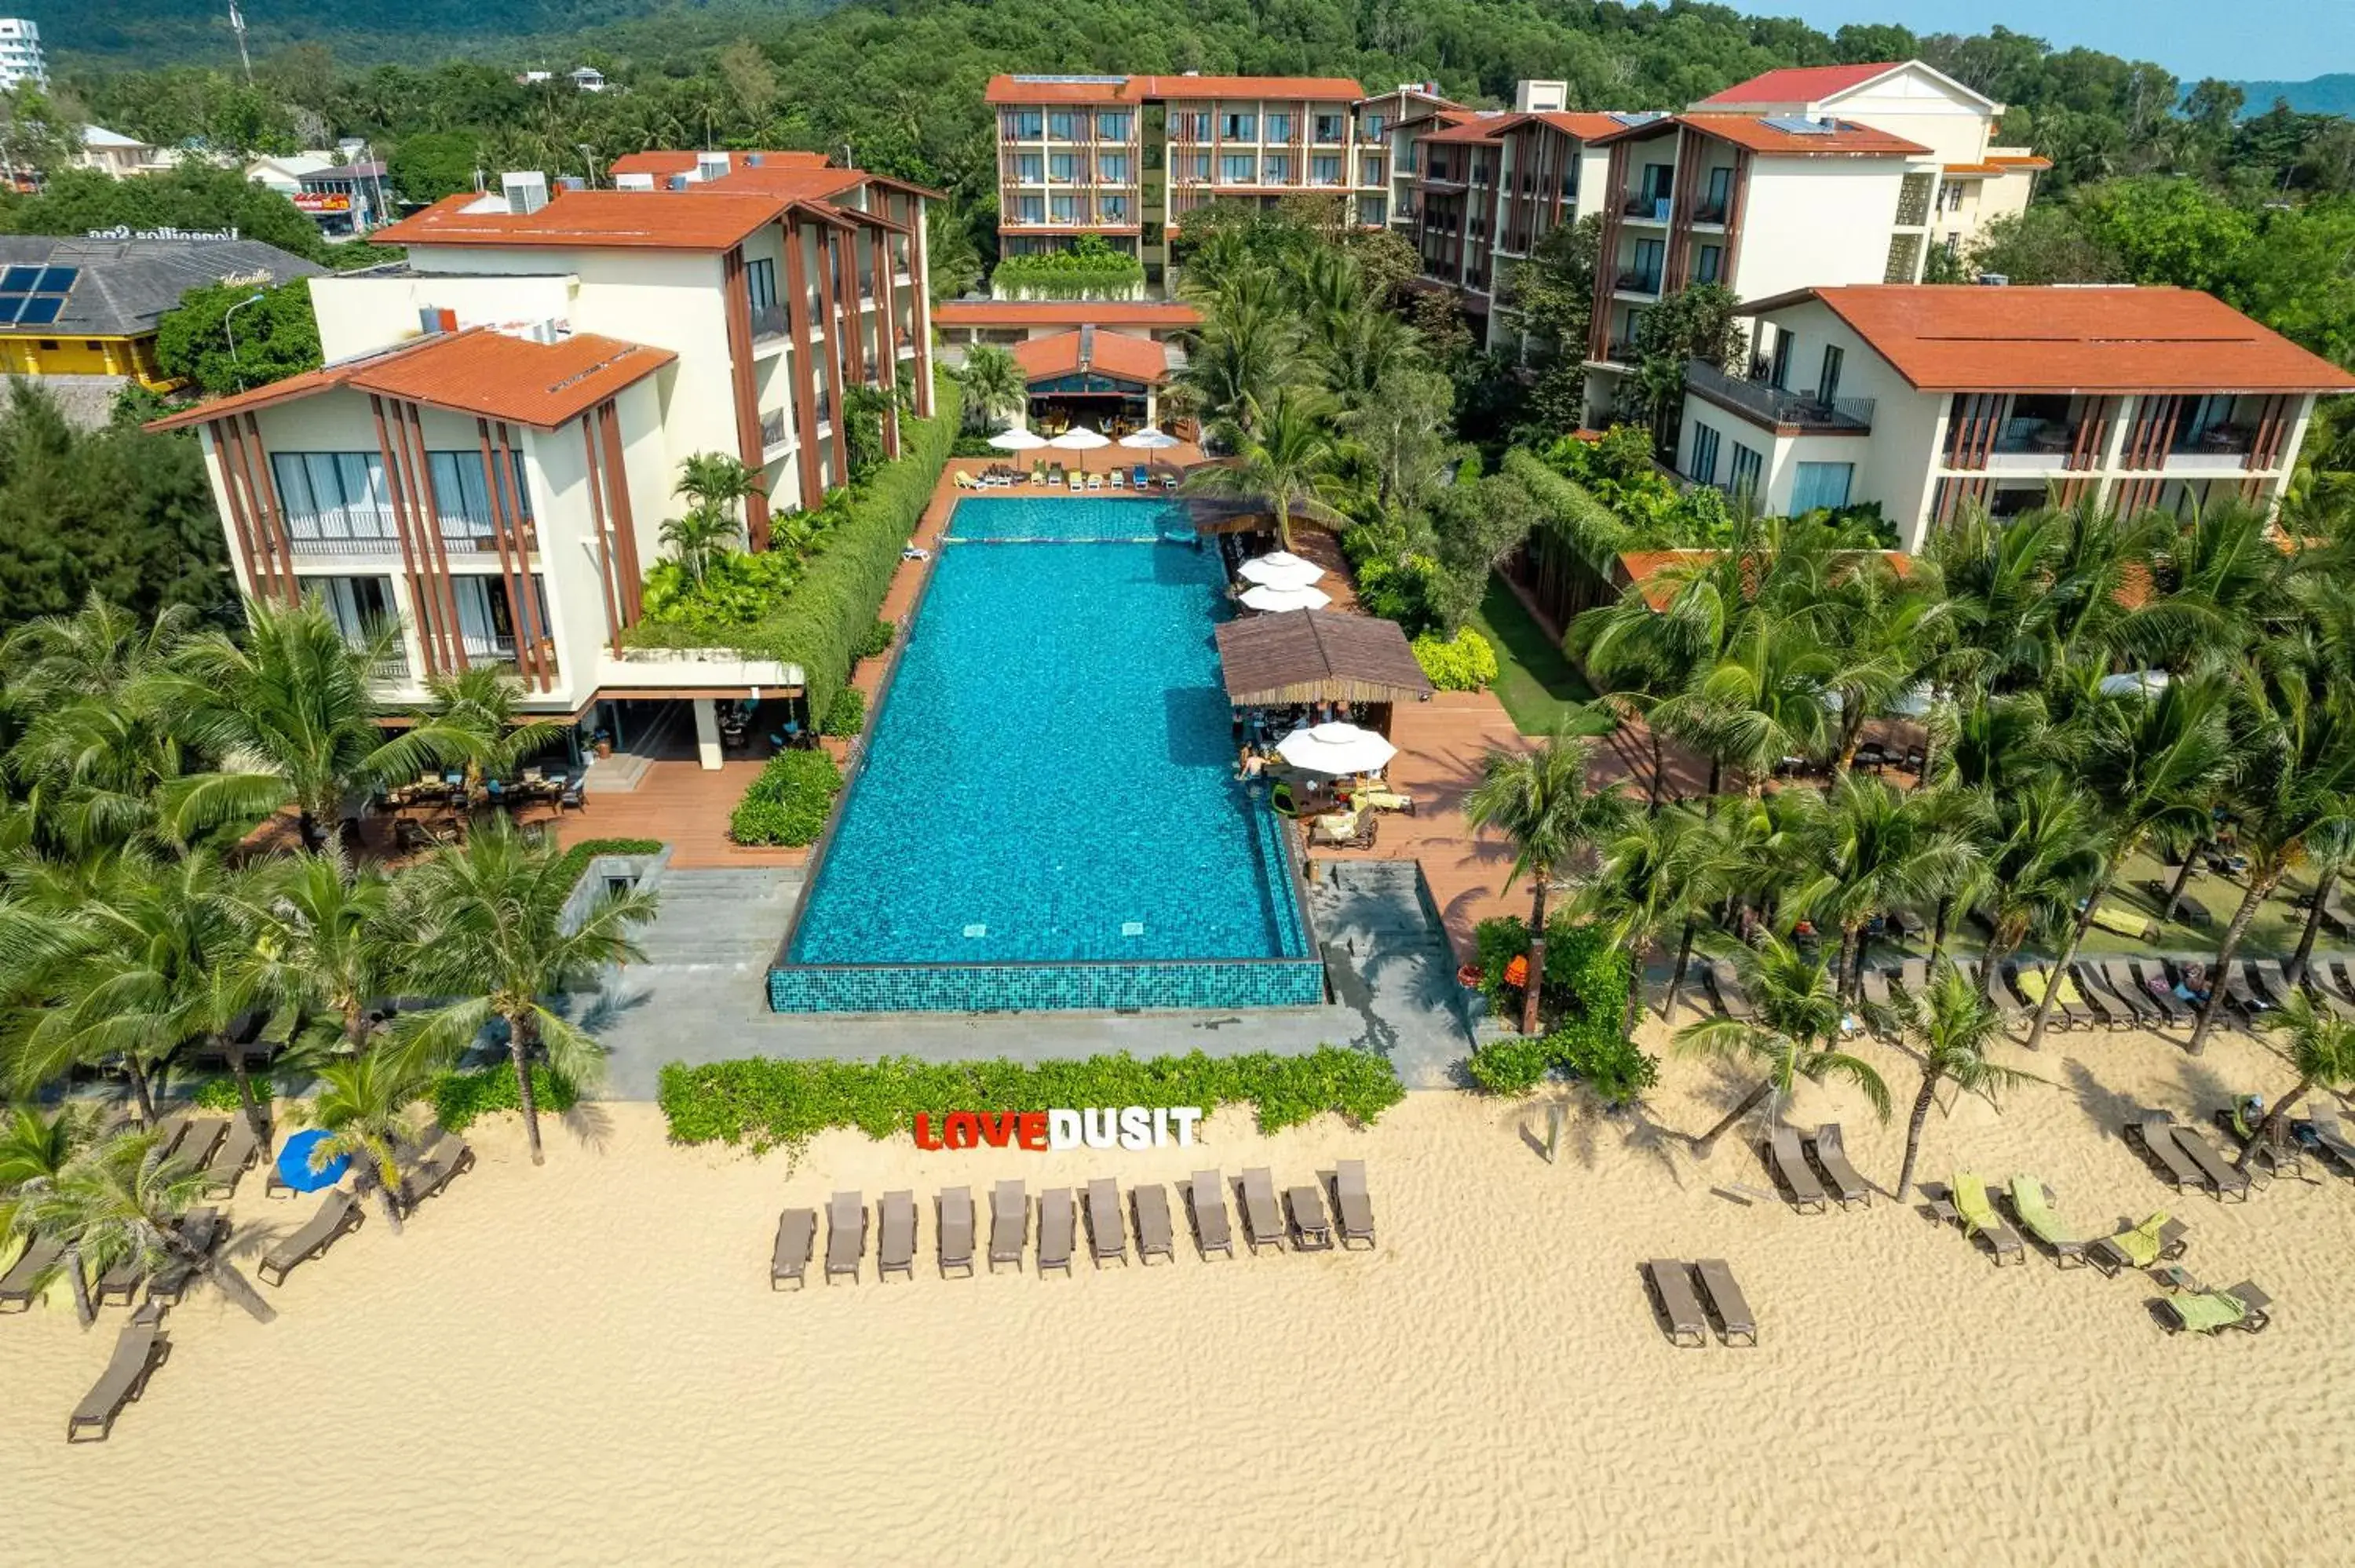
pixel 2209 1310
pixel 2141 1244
pixel 1971 1203
pixel 2028 1198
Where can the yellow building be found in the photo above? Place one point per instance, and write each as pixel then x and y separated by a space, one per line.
pixel 91 306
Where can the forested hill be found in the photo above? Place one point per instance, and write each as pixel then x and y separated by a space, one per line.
pixel 2332 94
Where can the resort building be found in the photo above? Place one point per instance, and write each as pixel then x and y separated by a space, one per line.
pixel 1926 400
pixel 490 451
pixel 1125 158
pixel 1391 121
pixel 1977 180
pixel 20 55
pixel 125 157
pixel 91 308
pixel 1092 362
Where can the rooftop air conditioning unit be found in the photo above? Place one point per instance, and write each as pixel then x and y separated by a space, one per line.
pixel 634 182
pixel 711 165
pixel 679 182
pixel 1994 280
pixel 527 192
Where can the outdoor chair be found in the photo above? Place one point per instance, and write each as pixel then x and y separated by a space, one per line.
pixel 2155 985
pixel 1107 1231
pixel 1206 1203
pixel 845 1235
pixel 1979 1218
pixel 1831 1158
pixel 1735 1321
pixel 1155 1236
pixel 1262 1220
pixel 952 1220
pixel 1010 1225
pixel 2245 1306
pixel 204 1229
pixel 1786 1163
pixel 203 1135
pixel 2321 1127
pixel 2153 1132
pixel 18 1286
pixel 1352 1203
pixel 789 1257
pixel 1119 479
pixel 2223 1179
pixel 1058 1225
pixel 895 1241
pixel 1312 1231
pixel 139 1349
pixel 1725 985
pixel 235 1156
pixel 1680 1308
pixel 2032 1201
pixel 338 1214
pixel 443 1162
pixel 2156 1240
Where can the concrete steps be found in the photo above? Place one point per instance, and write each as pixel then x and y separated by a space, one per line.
pixel 721 919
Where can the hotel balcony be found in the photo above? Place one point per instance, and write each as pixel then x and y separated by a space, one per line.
pixel 1647 284
pixel 768 321
pixel 1647 210
pixel 1777 410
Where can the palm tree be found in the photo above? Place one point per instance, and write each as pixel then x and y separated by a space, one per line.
pixel 327 939
pixel 120 1201
pixel 1761 700
pixel 2046 852
pixel 719 480
pixel 1872 848
pixel 1795 1035
pixel 993 384
pixel 98 650
pixel 1654 877
pixel 493 933
pixel 363 1103
pixel 286 717
pixel 473 713
pixel 35 1152
pixel 1246 351
pixel 1953 1024
pixel 1539 799
pixel 2321 1051
pixel 1286 459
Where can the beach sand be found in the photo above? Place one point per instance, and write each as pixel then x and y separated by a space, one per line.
pixel 584 1363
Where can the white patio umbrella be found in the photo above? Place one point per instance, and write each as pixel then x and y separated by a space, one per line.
pixel 1080 439
pixel 1281 570
pixel 1301 596
pixel 1150 439
pixel 1335 749
pixel 1017 439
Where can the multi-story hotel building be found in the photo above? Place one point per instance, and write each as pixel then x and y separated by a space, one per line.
pixel 1125 158
pixel 20 55
pixel 494 442
pixel 1926 399
pixel 1393 121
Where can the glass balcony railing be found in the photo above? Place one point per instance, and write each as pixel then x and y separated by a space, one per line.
pixel 1774 406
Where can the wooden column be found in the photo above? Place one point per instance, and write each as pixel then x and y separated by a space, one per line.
pixel 804 372
pixel 829 308
pixel 396 479
pixel 888 339
pixel 737 299
pixel 433 552
pixel 240 516
pixel 609 595
pixel 617 496
pixel 525 600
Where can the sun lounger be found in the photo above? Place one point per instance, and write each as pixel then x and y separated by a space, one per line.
pixel 1010 1225
pixel 1725 985
pixel 203 1136
pixel 895 1235
pixel 2153 1132
pixel 963 480
pixel 235 1156
pixel 1058 1222
pixel 1150 1204
pixel 1119 479
pixel 1788 1164
pixel 1107 1230
pixel 1981 1219
pixel 845 1235
pixel 2004 996
pixel 2340 976
pixel 2215 1173
pixel 1735 1320
pixel 169 1132
pixel 1831 1156
pixel 121 1283
pixel 1138 477
pixel 1206 1200
pixel 139 1349
pixel 441 1163
pixel 1168 482
pixel 1263 1218
pixel 1351 1201
pixel 2211 1311
pixel 1680 1308
pixel 19 1286
pixel 2107 1011
pixel 2114 982
pixel 2160 990
pixel 789 1259
pixel 2320 1128
pixel 2126 923
pixel 1055 474
pixel 952 1221
pixel 1312 1229
pixel 2271 982
pixel 2156 1240
pixel 2032 1201
pixel 340 1212
pixel 2031 981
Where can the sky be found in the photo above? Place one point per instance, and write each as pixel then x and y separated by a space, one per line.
pixel 2241 40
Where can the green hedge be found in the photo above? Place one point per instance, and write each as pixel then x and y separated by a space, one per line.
pixel 1091 274
pixel 789 802
pixel 875 640
pixel 847 716
pixel 575 863
pixel 1463 663
pixel 769 1103
pixel 1585 998
pixel 460 1097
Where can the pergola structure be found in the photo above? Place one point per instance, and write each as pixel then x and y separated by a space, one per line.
pixel 1317 656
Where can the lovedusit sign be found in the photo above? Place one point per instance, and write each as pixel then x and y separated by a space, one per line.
pixel 1040 1131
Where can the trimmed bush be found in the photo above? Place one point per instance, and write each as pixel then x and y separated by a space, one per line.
pixel 460 1097
pixel 1083 272
pixel 877 639
pixel 847 716
pixel 769 1103
pixel 789 802
pixel 1465 663
pixel 220 1094
pixel 575 863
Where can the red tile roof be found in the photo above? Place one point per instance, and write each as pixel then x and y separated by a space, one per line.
pixel 1486 128
pixel 1112 353
pixel 1969 337
pixel 1995 167
pixel 791 182
pixel 1798 84
pixel 661 220
pixel 1584 125
pixel 660 162
pixel 1845 139
pixel 1015 90
pixel 476 371
pixel 1115 90
pixel 1065 313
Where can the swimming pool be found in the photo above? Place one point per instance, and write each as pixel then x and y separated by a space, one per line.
pixel 1047 815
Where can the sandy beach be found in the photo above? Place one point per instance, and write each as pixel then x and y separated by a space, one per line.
pixel 584 1363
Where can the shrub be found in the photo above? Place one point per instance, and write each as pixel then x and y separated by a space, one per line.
pixel 1090 269
pixel 875 640
pixel 847 716
pixel 789 802
pixel 1585 1000
pixel 735 590
pixel 220 1094
pixel 460 1097
pixel 769 1103
pixel 1463 663
pixel 1511 1065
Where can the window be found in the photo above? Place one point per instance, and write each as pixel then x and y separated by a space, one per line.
pixel 1373 127
pixel 1656 187
pixel 1031 210
pixel 1063 208
pixel 1062 167
pixel 760 282
pixel 1027 169
pixel 1237 169
pixel 334 496
pixel 1279 127
pixel 1779 378
pixel 1821 486
pixel 1324 171
pixel 1827 381
pixel 1713 259
pixel 1060 124
pixel 1193 127
pixel 1702 468
pixel 1196 168
pixel 1331 128
pixel 1239 127
pixel 1112 125
pixel 462 496
pixel 487 621
pixel 1113 168
pixel 1023 124
pixel 1277 168
pixel 1742 478
pixel 1720 190
pixel 1370 171
pixel 1645 274
pixel 1114 209
pixel 1373 210
pixel 360 606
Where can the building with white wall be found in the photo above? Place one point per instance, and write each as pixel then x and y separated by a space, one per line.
pixel 491 450
pixel 1927 400
pixel 20 55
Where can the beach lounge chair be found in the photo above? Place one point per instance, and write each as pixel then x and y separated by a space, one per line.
pixel 202 1137
pixel 1735 1318
pixel 1107 1230
pixel 1138 477
pixel 1352 1203
pixel 121 1283
pixel 443 1160
pixel 1680 1308
pixel 2032 1201
pixel 1787 1163
pixel 2118 987
pixel 1206 1200
pixel 235 1156
pixel 2106 1011
pixel 1055 476
pixel 1831 1158
pixel 2153 1132
pixel 2214 1171
pixel 2156 1240
pixel 1981 1219
pixel 2160 991
pixel 1725 985
pixel 845 1235
pixel 2126 923
pixel 339 1212
pixel 789 1259
pixel 1168 482
pixel 1010 1225
pixel 1058 1222
pixel 2320 1127
pixel 19 1285
pixel 1095 482
pixel 963 480
pixel 1874 983
pixel 2031 981
pixel 1119 479
pixel 139 1349
pixel 2272 981
pixel 2339 977
pixel 952 1220
pixel 2244 1003
pixel 2211 1311
pixel 1312 1231
pixel 1150 1205
pixel 895 1235
pixel 1262 1220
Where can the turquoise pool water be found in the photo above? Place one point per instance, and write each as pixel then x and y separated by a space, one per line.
pixel 1049 780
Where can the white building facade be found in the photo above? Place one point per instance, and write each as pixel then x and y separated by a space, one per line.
pixel 20 55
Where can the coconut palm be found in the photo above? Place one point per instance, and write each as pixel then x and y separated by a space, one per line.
pixel 1247 350
pixel 993 384
pixel 34 1150
pixel 1763 699
pixel 718 480
pixel 1880 630
pixel 1997 578
pixel 1795 1035
pixel 2045 852
pixel 1540 802
pixel 327 939
pixel 2321 1051
pixel 474 713
pixel 1870 848
pixel 491 932
pixel 1284 459
pixel 98 650
pixel 121 1201
pixel 366 1106
pixel 1952 1026
pixel 1653 876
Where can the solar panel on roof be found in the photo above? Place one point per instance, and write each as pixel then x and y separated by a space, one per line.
pixel 55 280
pixel 40 309
pixel 1636 116
pixel 9 305
pixel 18 279
pixel 1798 125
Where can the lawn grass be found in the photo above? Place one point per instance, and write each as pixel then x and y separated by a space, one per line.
pixel 1539 686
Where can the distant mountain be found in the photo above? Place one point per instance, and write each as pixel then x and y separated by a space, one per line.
pixel 2323 95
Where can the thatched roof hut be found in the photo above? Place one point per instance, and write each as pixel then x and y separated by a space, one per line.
pixel 1317 656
